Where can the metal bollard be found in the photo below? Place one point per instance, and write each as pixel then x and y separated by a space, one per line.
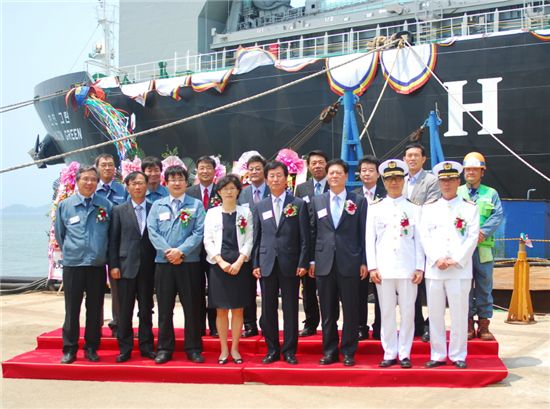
pixel 521 308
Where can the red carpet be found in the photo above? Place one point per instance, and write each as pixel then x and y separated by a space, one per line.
pixel 484 366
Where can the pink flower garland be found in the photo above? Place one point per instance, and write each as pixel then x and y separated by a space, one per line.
pixel 292 161
pixel 129 166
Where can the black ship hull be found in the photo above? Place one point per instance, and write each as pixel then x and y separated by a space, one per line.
pixel 269 123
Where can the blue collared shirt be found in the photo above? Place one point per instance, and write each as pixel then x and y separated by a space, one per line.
pixel 116 194
pixel 154 195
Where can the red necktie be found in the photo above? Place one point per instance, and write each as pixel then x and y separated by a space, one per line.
pixel 205 199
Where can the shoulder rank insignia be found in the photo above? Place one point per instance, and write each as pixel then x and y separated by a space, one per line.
pixel 414 203
pixel 430 201
pixel 469 201
pixel 375 201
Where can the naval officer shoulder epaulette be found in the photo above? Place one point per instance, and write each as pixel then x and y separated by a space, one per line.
pixel 414 203
pixel 469 201
pixel 431 201
pixel 375 201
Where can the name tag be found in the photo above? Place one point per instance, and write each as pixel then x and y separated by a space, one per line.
pixel 245 205
pixel 74 219
pixel 164 216
pixel 267 215
pixel 322 213
pixel 305 199
pixel 118 198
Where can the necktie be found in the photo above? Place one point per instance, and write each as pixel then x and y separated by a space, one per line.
pixel 176 205
pixel 335 210
pixel 317 189
pixel 87 202
pixel 139 216
pixel 370 196
pixel 205 199
pixel 107 189
pixel 256 195
pixel 472 192
pixel 277 210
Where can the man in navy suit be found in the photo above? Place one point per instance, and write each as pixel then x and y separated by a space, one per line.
pixel 113 191
pixel 250 196
pixel 280 257
pixel 132 266
pixel 339 263
pixel 373 189
pixel 317 185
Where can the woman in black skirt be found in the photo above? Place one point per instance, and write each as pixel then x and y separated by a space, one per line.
pixel 228 242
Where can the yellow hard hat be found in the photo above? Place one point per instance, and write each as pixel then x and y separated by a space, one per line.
pixel 474 160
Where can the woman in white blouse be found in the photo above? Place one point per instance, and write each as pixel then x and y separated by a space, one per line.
pixel 228 242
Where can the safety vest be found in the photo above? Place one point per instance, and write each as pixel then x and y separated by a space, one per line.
pixel 485 206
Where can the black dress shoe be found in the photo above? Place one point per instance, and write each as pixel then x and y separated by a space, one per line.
pixel 426 334
pixel 214 333
pixel 163 357
pixel 123 357
pixel 349 360
pixel 363 333
pixel 460 364
pixel 68 358
pixel 386 363
pixel 195 357
pixel 328 360
pixel 270 358
pixel 91 355
pixel 149 354
pixel 434 364
pixel 307 332
pixel 375 334
pixel 291 359
pixel 406 363
pixel 250 332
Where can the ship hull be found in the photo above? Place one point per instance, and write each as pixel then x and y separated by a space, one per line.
pixel 269 123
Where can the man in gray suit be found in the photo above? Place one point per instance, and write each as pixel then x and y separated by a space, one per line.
pixel 132 265
pixel 317 185
pixel 250 196
pixel 280 257
pixel 338 238
pixel 420 187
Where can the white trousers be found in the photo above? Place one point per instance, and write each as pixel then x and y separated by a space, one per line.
pixel 393 292
pixel 456 292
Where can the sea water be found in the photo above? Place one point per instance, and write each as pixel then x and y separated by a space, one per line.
pixel 24 245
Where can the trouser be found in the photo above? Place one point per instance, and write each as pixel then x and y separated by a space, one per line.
pixel 130 289
pixel 333 288
pixel 208 314
pixel 310 302
pixel 250 313
pixel 183 280
pixel 377 314
pixel 290 287
pixel 365 287
pixel 76 282
pixel 481 293
pixel 455 291
pixel 392 293
pixel 115 306
pixel 419 321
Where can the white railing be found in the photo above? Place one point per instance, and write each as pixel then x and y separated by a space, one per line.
pixel 349 42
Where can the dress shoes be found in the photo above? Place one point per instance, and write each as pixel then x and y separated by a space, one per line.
pixel 460 364
pixel 405 363
pixel 426 334
pixel 328 360
pixel 113 326
pixel 270 358
pixel 149 354
pixel 434 364
pixel 349 360
pixel 376 334
pixel 123 357
pixel 195 357
pixel 163 357
pixel 214 333
pixel 386 363
pixel 307 332
pixel 363 333
pixel 250 332
pixel 291 359
pixel 68 358
pixel 91 355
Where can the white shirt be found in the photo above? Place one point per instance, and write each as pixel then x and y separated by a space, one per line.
pixel 370 198
pixel 395 250
pixel 442 238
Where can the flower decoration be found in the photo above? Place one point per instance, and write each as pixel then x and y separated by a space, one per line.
pixel 241 224
pixel 460 225
pixel 292 161
pixel 220 170
pixel 101 215
pixel 170 161
pixel 350 207
pixel 215 201
pixel 290 210
pixel 129 166
pixel 405 224
pixel 185 217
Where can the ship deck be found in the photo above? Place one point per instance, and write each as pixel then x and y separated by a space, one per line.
pixel 523 349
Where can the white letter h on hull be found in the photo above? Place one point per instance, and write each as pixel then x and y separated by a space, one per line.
pixel 488 107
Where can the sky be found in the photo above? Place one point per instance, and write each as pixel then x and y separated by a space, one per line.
pixel 39 40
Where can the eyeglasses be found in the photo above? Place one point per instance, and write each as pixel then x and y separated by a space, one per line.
pixel 228 189
pixel 136 184
pixel 177 181
pixel 89 180
pixel 107 165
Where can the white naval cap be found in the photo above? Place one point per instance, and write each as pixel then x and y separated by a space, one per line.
pixel 447 170
pixel 393 167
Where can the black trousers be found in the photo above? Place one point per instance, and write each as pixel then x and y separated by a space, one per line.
pixel 250 313
pixel 310 302
pixel 77 281
pixel 366 287
pixel 290 287
pixel 183 280
pixel 115 305
pixel 130 289
pixel 419 321
pixel 208 314
pixel 335 288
